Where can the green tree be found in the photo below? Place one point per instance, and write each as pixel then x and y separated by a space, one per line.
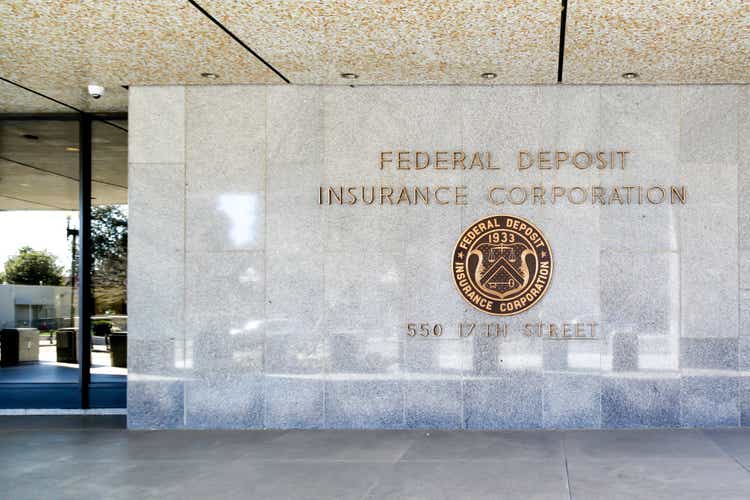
pixel 109 249
pixel 33 267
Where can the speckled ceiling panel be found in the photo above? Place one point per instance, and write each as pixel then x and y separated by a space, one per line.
pixel 665 41
pixel 17 100
pixel 417 41
pixel 58 47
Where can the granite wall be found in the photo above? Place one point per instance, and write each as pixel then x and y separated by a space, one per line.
pixel 254 306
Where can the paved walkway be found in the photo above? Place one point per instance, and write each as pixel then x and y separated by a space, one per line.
pixel 84 458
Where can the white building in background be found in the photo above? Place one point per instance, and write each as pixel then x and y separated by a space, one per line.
pixel 42 307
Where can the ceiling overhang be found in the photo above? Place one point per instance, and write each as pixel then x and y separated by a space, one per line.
pixel 58 47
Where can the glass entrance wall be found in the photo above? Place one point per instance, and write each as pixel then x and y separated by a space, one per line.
pixel 109 247
pixel 40 249
pixel 39 217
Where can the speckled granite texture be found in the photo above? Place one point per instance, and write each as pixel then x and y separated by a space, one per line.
pixel 58 47
pixel 251 306
pixel 405 42
pixel 663 41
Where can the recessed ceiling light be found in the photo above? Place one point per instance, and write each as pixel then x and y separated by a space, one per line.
pixel 350 76
pixel 630 75
pixel 23 184
pixel 72 149
pixel 489 75
pixel 210 76
pixel 30 137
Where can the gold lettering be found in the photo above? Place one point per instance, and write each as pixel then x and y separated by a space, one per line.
pixel 557 192
pixel 538 195
pixel 601 159
pixel 579 332
pixel 517 189
pixel 418 193
pixel 385 193
pixel 627 192
pixel 489 162
pixel 458 159
pixel 460 195
pixel 586 165
pixel 352 196
pixel 565 329
pixel 571 198
pixel 383 158
pixel 521 156
pixel 491 195
pixel 659 190
pixel 437 193
pixel 622 154
pixel 339 196
pixel 417 156
pixel 404 195
pixel 476 160
pixel 440 160
pixel 403 159
pixel 597 194
pixel 372 195
pixel 679 193
pixel 544 161
pixel 615 195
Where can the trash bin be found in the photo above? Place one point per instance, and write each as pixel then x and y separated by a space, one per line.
pixel 9 347
pixel 67 346
pixel 28 345
pixel 118 349
pixel 19 345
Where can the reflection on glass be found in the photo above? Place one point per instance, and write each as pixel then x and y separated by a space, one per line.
pixel 109 248
pixel 38 250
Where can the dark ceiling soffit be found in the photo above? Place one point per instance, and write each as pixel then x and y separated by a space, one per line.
pixel 99 117
pixel 237 39
pixel 65 117
pixel 58 117
pixel 58 174
pixel 104 119
pixel 31 202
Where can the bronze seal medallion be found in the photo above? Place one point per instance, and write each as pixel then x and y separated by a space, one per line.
pixel 502 265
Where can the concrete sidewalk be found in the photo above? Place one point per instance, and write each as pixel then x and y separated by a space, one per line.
pixel 92 457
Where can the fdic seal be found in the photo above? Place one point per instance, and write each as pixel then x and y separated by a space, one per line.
pixel 502 265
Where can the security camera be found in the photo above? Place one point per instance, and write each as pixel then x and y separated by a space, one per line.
pixel 96 91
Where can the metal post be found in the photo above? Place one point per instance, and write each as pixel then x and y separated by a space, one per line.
pixel 84 263
pixel 73 272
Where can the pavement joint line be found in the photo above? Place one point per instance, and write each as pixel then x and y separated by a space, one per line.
pixel 368 491
pixel 740 463
pixel 565 464
pixel 515 459
pixel 725 452
pixel 405 451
